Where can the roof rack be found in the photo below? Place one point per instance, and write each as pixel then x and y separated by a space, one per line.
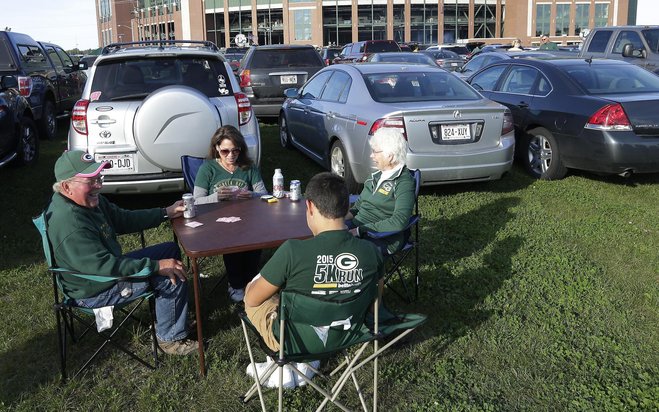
pixel 160 43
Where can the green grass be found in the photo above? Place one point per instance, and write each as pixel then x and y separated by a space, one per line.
pixel 540 296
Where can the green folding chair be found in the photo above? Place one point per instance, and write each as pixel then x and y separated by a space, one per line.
pixel 68 313
pixel 343 317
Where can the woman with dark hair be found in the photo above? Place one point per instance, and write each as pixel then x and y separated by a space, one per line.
pixel 229 173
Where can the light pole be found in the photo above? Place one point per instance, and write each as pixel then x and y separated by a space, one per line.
pixel 120 35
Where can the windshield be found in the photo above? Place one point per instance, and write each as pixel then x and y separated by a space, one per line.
pixel 285 57
pixel 135 79
pixel 418 87
pixel 613 79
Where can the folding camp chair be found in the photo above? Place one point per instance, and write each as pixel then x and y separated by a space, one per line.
pixel 411 245
pixel 67 312
pixel 318 327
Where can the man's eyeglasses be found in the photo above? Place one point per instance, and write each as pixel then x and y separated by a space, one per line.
pixel 225 152
pixel 93 181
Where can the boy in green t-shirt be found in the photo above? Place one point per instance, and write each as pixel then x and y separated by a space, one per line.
pixel 333 261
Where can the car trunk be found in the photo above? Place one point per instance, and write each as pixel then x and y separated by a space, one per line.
pixel 642 113
pixel 452 129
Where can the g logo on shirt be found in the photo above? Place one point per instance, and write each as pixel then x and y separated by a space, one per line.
pixel 346 261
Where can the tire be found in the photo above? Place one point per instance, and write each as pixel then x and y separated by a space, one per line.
pixel 28 142
pixel 542 157
pixel 284 133
pixel 339 165
pixel 48 121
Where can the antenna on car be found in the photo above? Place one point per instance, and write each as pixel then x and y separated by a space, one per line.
pixel 589 60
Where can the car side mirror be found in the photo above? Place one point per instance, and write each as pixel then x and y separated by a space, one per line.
pixel 82 66
pixel 291 93
pixel 629 51
pixel 8 82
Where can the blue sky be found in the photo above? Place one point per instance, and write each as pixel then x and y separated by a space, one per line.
pixel 67 23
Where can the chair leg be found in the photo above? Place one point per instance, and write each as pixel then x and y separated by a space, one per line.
pixel 152 327
pixel 257 382
pixel 61 339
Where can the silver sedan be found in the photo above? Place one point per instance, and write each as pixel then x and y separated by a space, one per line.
pixel 454 134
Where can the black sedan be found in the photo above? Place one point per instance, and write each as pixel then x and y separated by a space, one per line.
pixel 594 115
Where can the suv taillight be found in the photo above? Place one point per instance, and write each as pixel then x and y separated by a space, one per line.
pixel 609 117
pixel 396 122
pixel 25 86
pixel 244 108
pixel 79 116
pixel 245 78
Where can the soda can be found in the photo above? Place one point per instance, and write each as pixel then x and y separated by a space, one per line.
pixel 296 191
pixel 188 203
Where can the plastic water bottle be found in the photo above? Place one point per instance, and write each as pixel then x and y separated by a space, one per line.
pixel 278 184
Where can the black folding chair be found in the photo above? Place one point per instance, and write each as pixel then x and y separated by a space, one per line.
pixel 68 313
pixel 397 258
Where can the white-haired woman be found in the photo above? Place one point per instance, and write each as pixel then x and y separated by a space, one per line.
pixel 387 200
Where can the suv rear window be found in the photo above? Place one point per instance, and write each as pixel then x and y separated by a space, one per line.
pixel 417 87
pixel 135 79
pixel 381 46
pixel 284 58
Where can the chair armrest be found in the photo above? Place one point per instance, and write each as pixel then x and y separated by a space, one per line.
pixel 414 219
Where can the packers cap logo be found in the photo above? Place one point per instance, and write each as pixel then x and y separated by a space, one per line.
pixel 87 158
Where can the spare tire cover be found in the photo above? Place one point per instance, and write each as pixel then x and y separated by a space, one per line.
pixel 174 121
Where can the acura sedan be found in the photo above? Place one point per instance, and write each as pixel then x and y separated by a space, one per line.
pixel 454 134
pixel 594 115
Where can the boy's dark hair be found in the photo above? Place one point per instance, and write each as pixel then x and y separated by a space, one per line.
pixel 328 192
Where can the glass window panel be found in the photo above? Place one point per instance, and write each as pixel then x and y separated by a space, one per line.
pixel 562 19
pixel 581 17
pixel 542 19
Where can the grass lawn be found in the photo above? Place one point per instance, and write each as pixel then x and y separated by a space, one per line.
pixel 540 296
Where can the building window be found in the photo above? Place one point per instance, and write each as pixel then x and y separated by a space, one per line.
pixel 423 23
pixel 337 24
pixel 562 19
pixel 601 14
pixel 372 22
pixel 456 22
pixel 542 19
pixel 302 19
pixel 581 17
pixel 484 20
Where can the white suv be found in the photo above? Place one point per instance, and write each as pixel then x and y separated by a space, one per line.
pixel 147 103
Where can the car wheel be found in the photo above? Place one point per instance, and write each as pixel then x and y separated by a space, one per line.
pixel 340 165
pixel 542 157
pixel 28 143
pixel 48 122
pixel 284 133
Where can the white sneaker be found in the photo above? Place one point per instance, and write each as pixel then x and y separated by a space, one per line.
pixel 236 295
pixel 273 381
pixel 306 370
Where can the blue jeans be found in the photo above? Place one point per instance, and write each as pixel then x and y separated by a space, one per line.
pixel 171 300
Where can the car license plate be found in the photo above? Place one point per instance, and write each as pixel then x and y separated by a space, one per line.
pixel 456 132
pixel 121 163
pixel 289 79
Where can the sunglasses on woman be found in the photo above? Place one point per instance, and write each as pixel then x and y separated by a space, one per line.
pixel 225 152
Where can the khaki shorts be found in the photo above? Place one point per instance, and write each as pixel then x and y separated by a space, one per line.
pixel 263 317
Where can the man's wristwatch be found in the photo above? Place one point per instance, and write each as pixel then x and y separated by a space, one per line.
pixel 164 213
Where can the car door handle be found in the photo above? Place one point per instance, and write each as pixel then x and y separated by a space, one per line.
pixel 523 105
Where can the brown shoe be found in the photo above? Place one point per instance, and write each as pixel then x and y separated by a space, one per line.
pixel 178 347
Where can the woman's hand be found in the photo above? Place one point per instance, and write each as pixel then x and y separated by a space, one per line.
pixel 244 194
pixel 228 192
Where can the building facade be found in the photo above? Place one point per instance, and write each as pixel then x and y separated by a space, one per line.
pixel 324 22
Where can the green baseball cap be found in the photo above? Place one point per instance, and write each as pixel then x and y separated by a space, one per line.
pixel 77 163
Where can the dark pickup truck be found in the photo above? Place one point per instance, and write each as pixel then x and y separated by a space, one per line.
pixel 47 76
